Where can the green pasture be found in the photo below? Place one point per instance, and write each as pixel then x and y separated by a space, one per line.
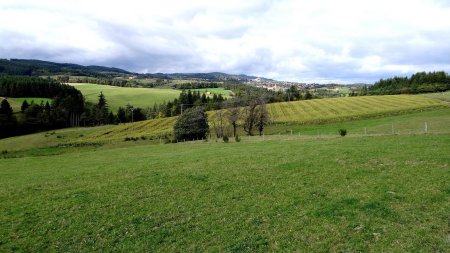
pixel 350 194
pixel 121 96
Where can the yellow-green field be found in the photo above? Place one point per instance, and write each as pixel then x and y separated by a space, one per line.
pixel 444 96
pixel 121 96
pixel 345 108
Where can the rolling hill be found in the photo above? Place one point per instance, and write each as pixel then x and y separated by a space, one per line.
pixel 301 188
pixel 38 67
pixel 309 112
pixel 46 68
pixel 302 117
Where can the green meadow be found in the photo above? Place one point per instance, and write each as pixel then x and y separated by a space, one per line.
pixel 388 193
pixel 121 96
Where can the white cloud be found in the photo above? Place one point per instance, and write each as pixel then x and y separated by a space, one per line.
pixel 319 40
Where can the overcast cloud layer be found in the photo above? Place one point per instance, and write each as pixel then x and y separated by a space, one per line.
pixel 311 41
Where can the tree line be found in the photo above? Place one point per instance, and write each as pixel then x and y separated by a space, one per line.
pixel 119 82
pixel 185 100
pixel 421 82
pixel 66 107
pixel 196 85
pixel 194 124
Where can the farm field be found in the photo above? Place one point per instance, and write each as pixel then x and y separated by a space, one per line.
pixel 361 121
pixel 310 112
pixel 64 140
pixel 121 96
pixel 333 109
pixel 387 193
pixel 444 96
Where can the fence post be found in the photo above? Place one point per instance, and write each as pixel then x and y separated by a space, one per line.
pixel 392 128
pixel 365 131
pixel 426 127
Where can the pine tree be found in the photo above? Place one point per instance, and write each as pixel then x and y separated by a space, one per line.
pixel 6 108
pixel 101 110
pixel 24 106
pixel 121 115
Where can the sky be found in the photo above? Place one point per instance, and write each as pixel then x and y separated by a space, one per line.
pixel 321 41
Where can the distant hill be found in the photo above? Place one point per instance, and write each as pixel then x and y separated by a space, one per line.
pixel 38 67
pixel 212 77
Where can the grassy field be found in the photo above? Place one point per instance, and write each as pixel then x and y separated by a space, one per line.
pixel 16 103
pixel 354 194
pixel 444 96
pixel 324 110
pixel 384 187
pixel 121 96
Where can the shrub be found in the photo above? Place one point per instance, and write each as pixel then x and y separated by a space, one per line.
pixel 237 138
pixel 191 125
pixel 343 132
pixel 225 139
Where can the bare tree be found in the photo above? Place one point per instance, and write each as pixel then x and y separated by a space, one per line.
pixel 262 117
pixel 233 117
pixel 250 116
pixel 255 115
pixel 219 123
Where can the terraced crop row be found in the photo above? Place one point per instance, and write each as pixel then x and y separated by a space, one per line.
pixel 301 112
pixel 335 109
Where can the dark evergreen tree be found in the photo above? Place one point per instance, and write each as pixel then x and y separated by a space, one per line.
pixel 7 120
pixel 121 115
pixel 5 108
pixel 24 106
pixel 101 110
